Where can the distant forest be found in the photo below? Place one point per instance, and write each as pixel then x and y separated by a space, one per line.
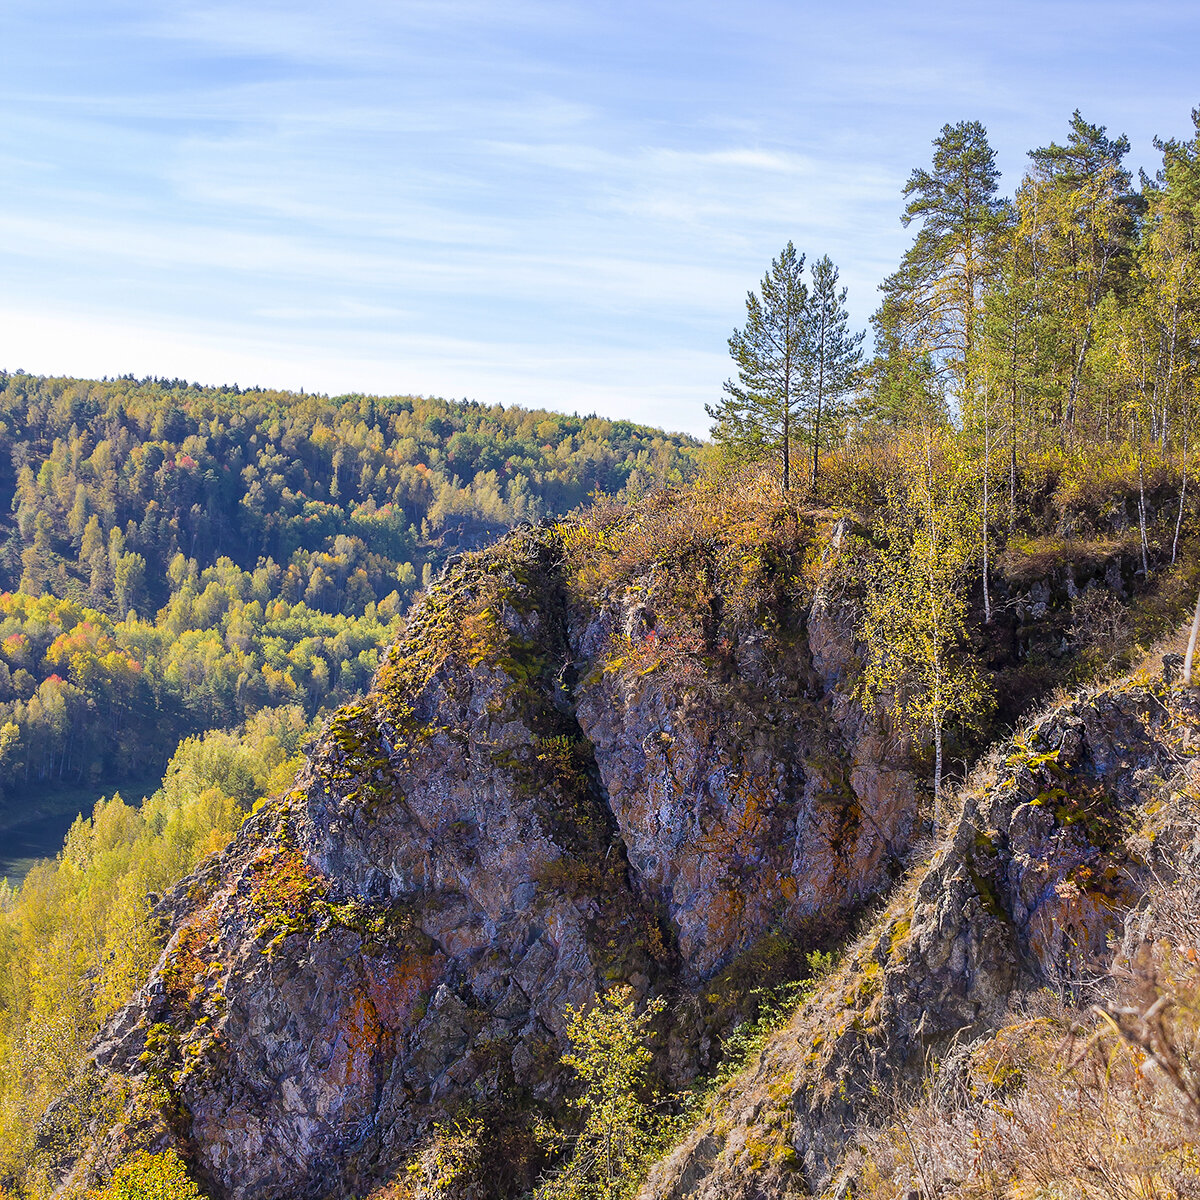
pixel 180 557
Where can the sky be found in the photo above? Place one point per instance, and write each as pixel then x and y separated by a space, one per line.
pixel 537 202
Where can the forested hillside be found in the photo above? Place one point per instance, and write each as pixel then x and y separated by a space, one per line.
pixel 180 557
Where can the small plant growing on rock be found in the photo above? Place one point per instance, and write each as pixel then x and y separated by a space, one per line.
pixel 450 1162
pixel 148 1176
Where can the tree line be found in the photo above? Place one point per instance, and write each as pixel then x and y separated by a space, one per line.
pixel 1051 334
pixel 1066 313
pixel 179 557
pixel 76 939
pixel 352 497
pixel 84 698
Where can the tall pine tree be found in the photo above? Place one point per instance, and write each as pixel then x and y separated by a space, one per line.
pixel 933 300
pixel 757 413
pixel 1079 219
pixel 834 354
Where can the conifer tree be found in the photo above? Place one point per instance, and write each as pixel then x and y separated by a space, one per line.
pixel 758 412
pixel 935 295
pixel 1079 218
pixel 1168 262
pixel 834 354
pixel 902 382
pixel 1008 336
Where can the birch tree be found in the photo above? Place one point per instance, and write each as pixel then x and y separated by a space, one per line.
pixel 914 612
pixel 610 1057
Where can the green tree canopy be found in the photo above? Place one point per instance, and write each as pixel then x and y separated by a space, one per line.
pixel 759 410
pixel 914 610
pixel 834 352
pixel 610 1057
pixel 931 303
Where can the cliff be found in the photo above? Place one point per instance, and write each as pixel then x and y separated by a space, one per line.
pixel 623 748
pixel 1071 828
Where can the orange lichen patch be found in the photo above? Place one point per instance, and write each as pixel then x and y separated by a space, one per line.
pixel 283 885
pixel 738 845
pixel 356 1039
pixel 398 990
pixel 188 962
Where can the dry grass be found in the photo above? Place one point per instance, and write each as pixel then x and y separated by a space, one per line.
pixel 1028 559
pixel 726 528
pixel 696 567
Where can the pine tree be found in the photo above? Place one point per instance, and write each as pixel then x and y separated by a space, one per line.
pixel 936 293
pixel 834 354
pixel 1168 261
pixel 902 384
pixel 1010 347
pixel 1079 218
pixel 758 412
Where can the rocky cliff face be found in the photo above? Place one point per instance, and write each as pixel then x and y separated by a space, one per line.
pixel 1052 853
pixel 597 758
pixel 532 802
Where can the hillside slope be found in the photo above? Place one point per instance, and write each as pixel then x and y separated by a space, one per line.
pixel 181 557
pixel 1074 825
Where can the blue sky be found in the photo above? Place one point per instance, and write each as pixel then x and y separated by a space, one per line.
pixel 548 203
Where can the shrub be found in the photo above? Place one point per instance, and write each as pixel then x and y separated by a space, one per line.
pixel 150 1177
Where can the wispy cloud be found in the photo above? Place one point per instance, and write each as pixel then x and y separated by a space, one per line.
pixel 548 199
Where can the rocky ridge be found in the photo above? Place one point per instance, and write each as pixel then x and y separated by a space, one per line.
pixel 556 783
pixel 513 818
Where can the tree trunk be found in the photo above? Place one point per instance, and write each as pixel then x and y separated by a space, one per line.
pixel 787 435
pixel 1191 650
pixel 817 424
pixel 1142 517
pixel 1170 373
pixel 821 350
pixel 1179 518
pixel 937 765
pixel 1012 466
pixel 987 471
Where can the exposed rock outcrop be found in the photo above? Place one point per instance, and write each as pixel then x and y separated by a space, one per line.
pixel 514 816
pixel 1039 873
pixel 558 781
